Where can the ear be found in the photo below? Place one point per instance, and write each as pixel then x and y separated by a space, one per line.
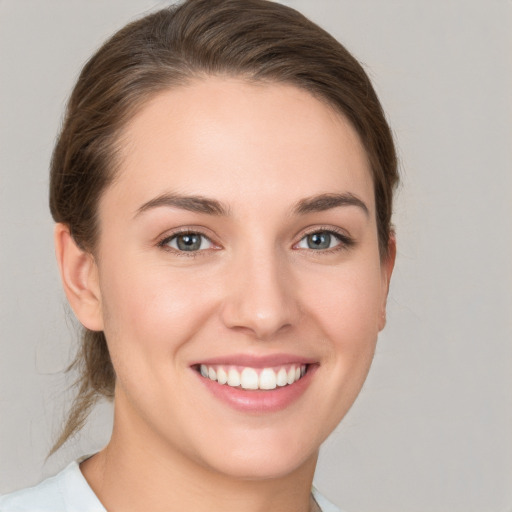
pixel 79 275
pixel 387 265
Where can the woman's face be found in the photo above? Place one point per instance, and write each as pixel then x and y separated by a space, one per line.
pixel 238 249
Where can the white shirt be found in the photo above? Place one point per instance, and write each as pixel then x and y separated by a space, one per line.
pixel 69 491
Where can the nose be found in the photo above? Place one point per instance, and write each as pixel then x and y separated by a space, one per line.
pixel 261 298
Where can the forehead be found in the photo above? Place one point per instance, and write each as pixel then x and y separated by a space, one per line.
pixel 241 141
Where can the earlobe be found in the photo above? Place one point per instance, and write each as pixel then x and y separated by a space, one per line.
pixel 388 263
pixel 79 275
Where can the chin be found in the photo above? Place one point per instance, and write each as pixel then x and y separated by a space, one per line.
pixel 263 460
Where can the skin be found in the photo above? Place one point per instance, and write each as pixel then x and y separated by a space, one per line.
pixel 255 287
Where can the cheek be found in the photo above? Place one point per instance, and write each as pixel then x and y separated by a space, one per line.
pixel 347 307
pixel 347 303
pixel 148 314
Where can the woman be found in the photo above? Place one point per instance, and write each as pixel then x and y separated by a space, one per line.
pixel 222 191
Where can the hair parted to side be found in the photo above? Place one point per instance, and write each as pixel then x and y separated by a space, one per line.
pixel 258 40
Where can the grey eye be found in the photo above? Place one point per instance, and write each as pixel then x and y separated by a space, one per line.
pixel 189 242
pixel 320 240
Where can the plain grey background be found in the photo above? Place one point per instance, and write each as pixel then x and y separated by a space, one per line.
pixel 432 429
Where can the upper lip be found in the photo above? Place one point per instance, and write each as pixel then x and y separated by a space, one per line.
pixel 253 361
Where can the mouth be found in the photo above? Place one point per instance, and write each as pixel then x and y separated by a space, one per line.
pixel 249 378
pixel 257 385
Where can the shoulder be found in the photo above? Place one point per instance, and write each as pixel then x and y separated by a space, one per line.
pixel 324 504
pixel 67 491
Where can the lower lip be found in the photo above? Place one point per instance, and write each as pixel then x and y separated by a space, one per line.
pixel 260 401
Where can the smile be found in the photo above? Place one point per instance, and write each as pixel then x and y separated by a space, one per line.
pixel 257 384
pixel 249 378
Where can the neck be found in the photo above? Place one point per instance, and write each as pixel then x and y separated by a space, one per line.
pixel 136 473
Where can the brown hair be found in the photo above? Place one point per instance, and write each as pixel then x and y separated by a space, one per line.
pixel 256 39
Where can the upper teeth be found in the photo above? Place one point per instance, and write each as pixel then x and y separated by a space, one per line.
pixel 252 378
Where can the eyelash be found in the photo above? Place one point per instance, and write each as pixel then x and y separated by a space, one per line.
pixel 345 241
pixel 163 244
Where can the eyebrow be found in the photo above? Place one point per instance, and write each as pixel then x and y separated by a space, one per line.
pixel 201 204
pixel 197 204
pixel 323 202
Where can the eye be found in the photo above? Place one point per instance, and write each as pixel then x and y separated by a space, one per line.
pixel 188 242
pixel 323 240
